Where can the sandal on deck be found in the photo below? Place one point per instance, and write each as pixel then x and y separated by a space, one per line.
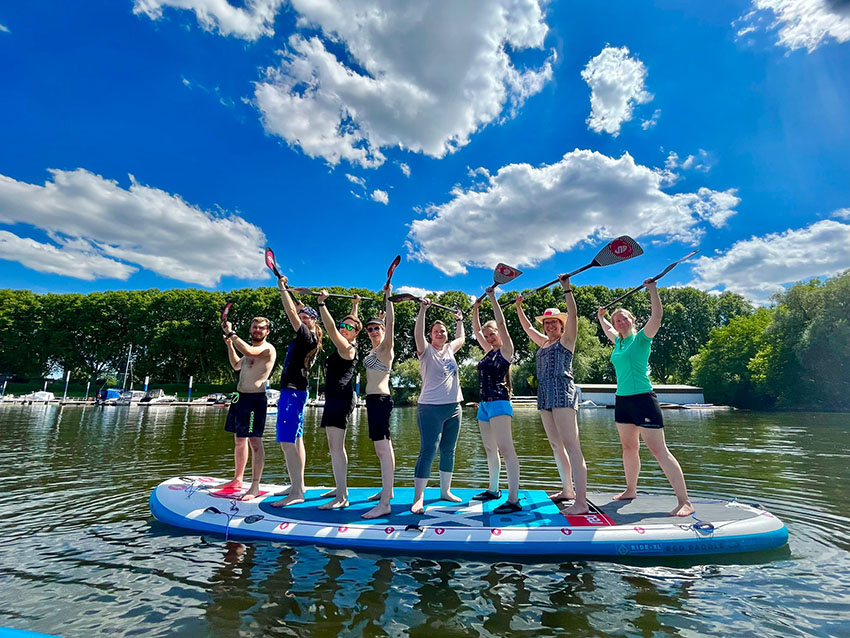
pixel 487 495
pixel 508 508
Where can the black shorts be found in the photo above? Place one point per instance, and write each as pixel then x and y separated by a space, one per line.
pixel 378 409
pixel 639 409
pixel 336 412
pixel 247 415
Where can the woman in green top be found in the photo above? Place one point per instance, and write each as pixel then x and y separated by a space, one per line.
pixel 637 413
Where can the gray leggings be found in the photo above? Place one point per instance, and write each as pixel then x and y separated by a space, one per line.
pixel 439 425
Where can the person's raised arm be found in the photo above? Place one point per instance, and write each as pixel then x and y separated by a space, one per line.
pixel 536 337
pixel 507 342
pixel 289 306
pixel 232 357
pixel 460 333
pixel 607 328
pixel 476 326
pixel 419 327
pixel 355 304
pixel 654 323
pixel 345 348
pixel 568 339
pixel 243 346
pixel 387 345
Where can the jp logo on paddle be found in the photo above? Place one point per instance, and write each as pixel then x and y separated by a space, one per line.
pixel 621 248
pixel 507 271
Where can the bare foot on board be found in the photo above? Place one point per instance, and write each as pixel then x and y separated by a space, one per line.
pixel 563 495
pixel 292 499
pixel 577 509
pixel 235 483
pixel 379 511
pixel 336 504
pixel 684 509
pixel 448 496
pixel 377 496
pixel 625 495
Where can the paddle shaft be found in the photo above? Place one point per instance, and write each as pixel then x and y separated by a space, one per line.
pixel 656 278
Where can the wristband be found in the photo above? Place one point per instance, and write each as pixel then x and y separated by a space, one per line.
pixel 568 290
pixel 321 305
pixel 231 334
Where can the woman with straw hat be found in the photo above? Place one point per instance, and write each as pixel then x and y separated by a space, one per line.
pixel 557 398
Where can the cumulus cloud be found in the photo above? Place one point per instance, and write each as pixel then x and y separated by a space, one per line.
pixel 250 22
pixel 801 24
pixel 616 84
pixel 421 76
pixel 524 214
pixel 760 266
pixel 99 229
pixel 842 213
pixel 380 196
pixel 404 169
pixel 652 121
pixel 702 161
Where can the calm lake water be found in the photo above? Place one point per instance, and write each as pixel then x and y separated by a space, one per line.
pixel 82 556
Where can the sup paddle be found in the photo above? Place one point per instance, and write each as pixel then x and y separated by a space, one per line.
pixel 502 274
pixel 656 278
pixel 271 262
pixel 615 251
pixel 390 272
pixel 309 291
pixel 404 296
pixel 225 311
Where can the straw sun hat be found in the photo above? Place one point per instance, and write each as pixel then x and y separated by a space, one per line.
pixel 553 313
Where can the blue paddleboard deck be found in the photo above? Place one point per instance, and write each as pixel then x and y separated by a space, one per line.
pixel 640 527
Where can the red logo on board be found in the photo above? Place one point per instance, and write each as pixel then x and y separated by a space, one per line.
pixel 439 531
pixel 620 248
pixel 283 526
pixel 495 531
pixel 342 529
pixel 640 530
pixel 389 530
pixel 177 488
pixel 507 271
pixel 565 531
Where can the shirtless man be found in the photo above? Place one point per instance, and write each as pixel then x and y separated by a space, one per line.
pixel 246 418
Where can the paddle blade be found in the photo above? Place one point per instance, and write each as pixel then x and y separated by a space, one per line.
pixel 620 249
pixel 225 311
pixel 503 273
pixel 392 268
pixel 403 297
pixel 271 262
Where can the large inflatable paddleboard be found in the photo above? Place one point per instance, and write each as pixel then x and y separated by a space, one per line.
pixel 639 527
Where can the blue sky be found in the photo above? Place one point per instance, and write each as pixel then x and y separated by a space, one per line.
pixel 163 143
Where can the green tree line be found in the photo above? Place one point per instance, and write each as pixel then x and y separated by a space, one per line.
pixel 764 358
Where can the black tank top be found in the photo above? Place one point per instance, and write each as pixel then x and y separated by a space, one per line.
pixel 492 377
pixel 338 376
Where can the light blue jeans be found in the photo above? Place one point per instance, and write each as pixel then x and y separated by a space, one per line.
pixel 439 426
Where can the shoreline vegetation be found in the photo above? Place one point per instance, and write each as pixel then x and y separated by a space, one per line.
pixel 793 355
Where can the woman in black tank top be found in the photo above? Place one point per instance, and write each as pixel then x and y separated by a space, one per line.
pixel 339 394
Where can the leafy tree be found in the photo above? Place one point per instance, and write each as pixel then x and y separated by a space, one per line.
pixel 22 348
pixel 723 366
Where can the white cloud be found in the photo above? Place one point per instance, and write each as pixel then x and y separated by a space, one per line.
pixel 4 29
pixel 616 84
pixel 760 266
pixel 421 76
pixel 380 196
pixel 841 213
pixel 253 21
pixel 404 169
pixel 702 161
pixel 93 222
pixel 356 180
pixel 524 214
pixel 802 24
pixel 652 121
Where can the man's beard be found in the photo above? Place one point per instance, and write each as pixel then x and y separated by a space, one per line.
pixel 255 341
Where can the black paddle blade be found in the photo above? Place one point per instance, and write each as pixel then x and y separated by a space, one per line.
pixel 403 297
pixel 392 268
pixel 271 262
pixel 225 311
pixel 620 249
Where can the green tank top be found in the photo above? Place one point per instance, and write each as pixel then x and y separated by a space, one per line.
pixel 631 363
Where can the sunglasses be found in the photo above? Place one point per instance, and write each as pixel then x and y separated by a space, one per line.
pixel 347 326
pixel 373 328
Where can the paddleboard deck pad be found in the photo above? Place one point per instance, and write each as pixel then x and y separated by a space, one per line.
pixel 639 527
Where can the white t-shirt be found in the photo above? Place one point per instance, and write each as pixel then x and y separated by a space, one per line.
pixel 440 376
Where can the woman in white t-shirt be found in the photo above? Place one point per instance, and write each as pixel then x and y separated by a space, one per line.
pixel 438 415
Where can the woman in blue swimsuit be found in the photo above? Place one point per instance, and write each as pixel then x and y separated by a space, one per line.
pixel 557 399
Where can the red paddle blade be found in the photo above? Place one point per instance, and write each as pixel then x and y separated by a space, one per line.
pixel 620 249
pixel 503 273
pixel 225 311
pixel 392 268
pixel 271 263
